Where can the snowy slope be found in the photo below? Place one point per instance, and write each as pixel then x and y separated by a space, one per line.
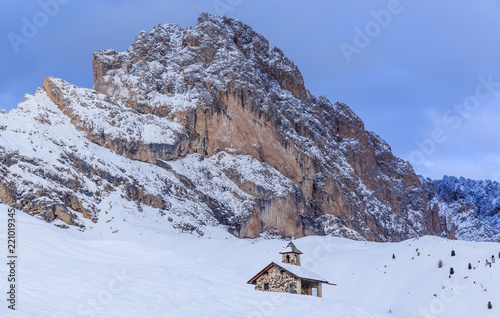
pixel 146 273
pixel 53 170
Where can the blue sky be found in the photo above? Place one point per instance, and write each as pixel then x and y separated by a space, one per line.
pixel 424 75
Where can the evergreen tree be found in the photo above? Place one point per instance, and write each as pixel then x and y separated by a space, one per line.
pixel 489 305
pixel 452 252
pixel 452 271
pixel 470 266
pixel 440 263
pixel 393 256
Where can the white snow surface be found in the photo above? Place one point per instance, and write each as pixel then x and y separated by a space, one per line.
pixel 113 119
pixel 301 272
pixel 149 273
pixel 288 249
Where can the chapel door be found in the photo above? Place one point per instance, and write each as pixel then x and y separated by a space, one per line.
pixel 315 292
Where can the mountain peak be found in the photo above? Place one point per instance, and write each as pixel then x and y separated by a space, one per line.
pixel 202 129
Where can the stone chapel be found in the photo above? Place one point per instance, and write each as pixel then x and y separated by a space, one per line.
pixel 289 276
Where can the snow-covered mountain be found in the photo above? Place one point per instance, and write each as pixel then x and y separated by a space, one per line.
pixel 483 194
pixel 471 206
pixel 203 130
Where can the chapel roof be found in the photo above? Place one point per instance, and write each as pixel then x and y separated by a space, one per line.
pixel 291 248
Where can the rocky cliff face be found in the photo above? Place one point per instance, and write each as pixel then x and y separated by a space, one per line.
pixel 471 206
pixel 202 128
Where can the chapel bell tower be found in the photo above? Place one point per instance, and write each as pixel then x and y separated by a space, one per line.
pixel 291 254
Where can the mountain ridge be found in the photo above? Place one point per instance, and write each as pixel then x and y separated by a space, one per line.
pixel 201 126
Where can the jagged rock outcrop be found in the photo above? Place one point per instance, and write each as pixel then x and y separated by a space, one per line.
pixel 208 126
pixel 470 206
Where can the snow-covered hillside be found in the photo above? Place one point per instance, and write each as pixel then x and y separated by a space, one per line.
pixel 469 207
pixel 140 272
pixel 484 195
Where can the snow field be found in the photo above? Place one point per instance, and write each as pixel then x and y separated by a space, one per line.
pixel 145 273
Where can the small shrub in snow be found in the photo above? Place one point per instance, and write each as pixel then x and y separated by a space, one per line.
pixel 452 252
pixel 440 263
pixel 452 271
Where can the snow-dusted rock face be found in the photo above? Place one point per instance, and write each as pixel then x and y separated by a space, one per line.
pixel 207 127
pixel 471 205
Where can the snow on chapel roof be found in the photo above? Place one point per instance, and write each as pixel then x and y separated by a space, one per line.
pixel 301 272
pixel 290 248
